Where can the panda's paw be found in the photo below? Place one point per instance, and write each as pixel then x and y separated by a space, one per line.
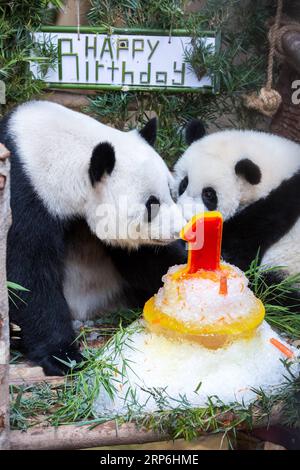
pixel 61 362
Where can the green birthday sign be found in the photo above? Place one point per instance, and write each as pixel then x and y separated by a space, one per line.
pixel 123 59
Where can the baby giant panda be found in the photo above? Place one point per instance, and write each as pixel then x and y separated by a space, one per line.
pixel 70 175
pixel 253 179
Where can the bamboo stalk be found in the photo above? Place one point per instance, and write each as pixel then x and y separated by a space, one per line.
pixel 5 220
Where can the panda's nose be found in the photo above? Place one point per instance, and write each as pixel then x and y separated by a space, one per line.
pixel 188 212
pixel 168 225
pixel 190 207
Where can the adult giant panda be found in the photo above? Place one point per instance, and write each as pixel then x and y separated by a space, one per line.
pixel 69 177
pixel 253 179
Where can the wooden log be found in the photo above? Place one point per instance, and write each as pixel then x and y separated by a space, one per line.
pixel 81 437
pixel 5 220
pixel 25 374
pixel 109 434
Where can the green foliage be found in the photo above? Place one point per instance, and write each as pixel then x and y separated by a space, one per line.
pixel 13 288
pixel 149 14
pixel 280 299
pixel 99 371
pixel 73 402
pixel 183 421
pixel 237 70
pixel 41 404
pixel 29 405
pixel 241 65
pixel 17 19
pixel 112 107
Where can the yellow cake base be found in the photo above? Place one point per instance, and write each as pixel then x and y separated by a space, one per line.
pixel 211 336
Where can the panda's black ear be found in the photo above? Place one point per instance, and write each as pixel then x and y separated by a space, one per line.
pixel 248 170
pixel 102 162
pixel 149 131
pixel 195 130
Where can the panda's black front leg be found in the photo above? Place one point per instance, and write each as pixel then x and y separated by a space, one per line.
pixel 35 261
pixel 143 268
pixel 52 343
pixel 46 327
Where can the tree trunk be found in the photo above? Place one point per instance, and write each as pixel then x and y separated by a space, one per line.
pixel 5 219
pixel 68 15
pixel 286 121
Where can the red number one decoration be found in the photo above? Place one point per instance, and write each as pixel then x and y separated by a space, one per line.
pixel 209 226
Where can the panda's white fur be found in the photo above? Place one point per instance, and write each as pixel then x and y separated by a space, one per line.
pixel 286 252
pixel 57 162
pixel 92 284
pixel 210 162
pixel 66 168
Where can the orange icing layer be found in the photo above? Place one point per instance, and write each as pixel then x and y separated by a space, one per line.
pixel 245 325
pixel 215 276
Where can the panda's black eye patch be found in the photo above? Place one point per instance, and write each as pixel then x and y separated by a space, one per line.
pixel 152 208
pixel 248 170
pixel 183 185
pixel 210 198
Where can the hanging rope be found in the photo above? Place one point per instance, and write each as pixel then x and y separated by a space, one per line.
pixel 268 100
pixel 78 19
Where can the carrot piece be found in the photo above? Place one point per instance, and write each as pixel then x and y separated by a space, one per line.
pixel 282 348
pixel 223 285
